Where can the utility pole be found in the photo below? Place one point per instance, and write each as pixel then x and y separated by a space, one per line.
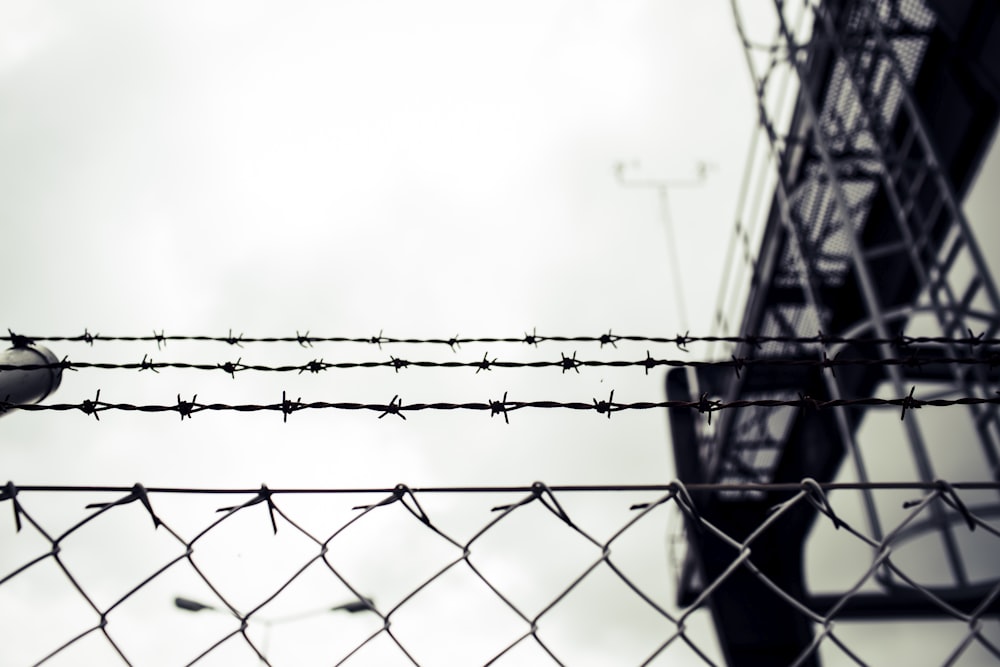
pixel 663 188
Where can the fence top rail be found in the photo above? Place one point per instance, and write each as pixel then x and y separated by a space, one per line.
pixel 12 489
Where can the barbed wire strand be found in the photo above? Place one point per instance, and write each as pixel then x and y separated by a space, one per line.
pixel 681 341
pixel 314 366
pixel 397 408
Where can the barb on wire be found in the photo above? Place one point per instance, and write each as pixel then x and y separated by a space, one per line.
pixel 92 407
pixel 230 367
pixel 185 408
pixel 314 366
pixel 17 340
pixel 821 339
pixel 809 402
pixel 288 406
pixel 499 407
pixel 234 340
pixel 605 407
pixel 569 364
pixel 485 364
pixel 829 364
pixel 608 339
pixel 704 405
pixel 909 403
pixel 394 407
pixel 649 363
pixel 901 341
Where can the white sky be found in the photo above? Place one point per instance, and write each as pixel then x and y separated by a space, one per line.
pixel 424 169
pixel 346 168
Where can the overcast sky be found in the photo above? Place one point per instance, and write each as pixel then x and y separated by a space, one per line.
pixel 344 168
pixel 350 168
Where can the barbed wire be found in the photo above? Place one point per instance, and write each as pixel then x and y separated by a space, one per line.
pixel 111 619
pixel 681 341
pixel 504 406
pixel 566 363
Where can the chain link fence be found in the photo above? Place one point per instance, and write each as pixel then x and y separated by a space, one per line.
pixel 449 576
